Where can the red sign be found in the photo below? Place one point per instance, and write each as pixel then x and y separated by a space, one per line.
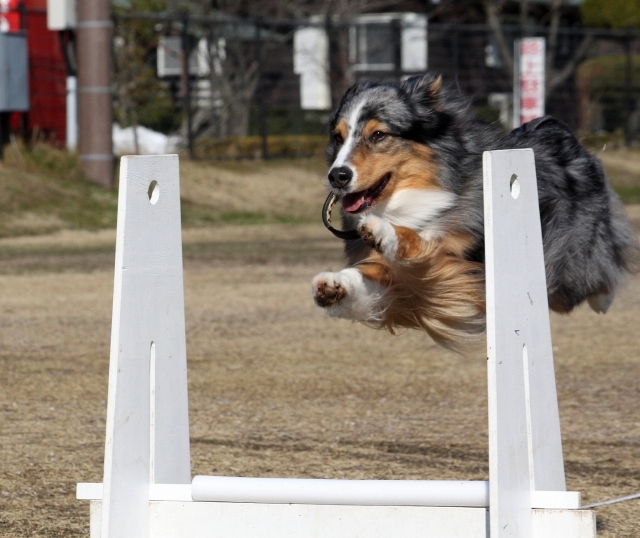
pixel 531 74
pixel 9 16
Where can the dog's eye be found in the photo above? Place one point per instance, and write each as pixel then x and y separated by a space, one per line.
pixel 337 139
pixel 378 136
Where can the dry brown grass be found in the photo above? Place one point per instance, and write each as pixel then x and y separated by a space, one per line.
pixel 43 191
pixel 277 388
pixel 622 166
pixel 273 191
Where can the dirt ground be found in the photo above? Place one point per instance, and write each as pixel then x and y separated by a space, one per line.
pixel 276 387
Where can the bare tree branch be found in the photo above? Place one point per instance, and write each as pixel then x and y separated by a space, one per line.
pixel 234 82
pixel 557 78
pixel 493 9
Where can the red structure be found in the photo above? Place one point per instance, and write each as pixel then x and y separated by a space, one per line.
pixel 9 15
pixel 47 69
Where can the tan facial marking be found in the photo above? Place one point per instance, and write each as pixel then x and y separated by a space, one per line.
pixel 371 127
pixel 419 171
pixel 342 130
pixel 412 165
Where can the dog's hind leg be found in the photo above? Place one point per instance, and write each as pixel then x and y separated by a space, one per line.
pixel 601 302
pixel 356 293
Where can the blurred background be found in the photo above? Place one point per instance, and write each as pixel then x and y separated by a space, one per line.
pixel 241 79
pixel 242 83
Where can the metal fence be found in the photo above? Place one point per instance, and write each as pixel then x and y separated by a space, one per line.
pixel 264 88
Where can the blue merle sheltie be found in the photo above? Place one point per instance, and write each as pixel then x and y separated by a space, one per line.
pixel 406 162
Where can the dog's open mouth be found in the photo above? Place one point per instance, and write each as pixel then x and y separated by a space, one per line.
pixel 359 201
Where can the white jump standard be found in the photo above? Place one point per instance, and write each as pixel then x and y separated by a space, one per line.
pixel 147 491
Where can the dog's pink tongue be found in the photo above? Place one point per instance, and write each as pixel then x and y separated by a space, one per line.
pixel 352 202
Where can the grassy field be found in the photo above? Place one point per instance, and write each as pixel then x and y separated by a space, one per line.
pixel 276 388
pixel 43 191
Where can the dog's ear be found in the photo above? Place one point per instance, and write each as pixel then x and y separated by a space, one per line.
pixel 425 94
pixel 424 89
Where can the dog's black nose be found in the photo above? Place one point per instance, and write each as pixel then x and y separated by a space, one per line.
pixel 340 176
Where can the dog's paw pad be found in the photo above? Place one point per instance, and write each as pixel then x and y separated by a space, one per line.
pixel 379 235
pixel 367 236
pixel 326 291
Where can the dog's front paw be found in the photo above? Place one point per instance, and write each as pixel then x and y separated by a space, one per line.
pixel 348 294
pixel 327 289
pixel 379 235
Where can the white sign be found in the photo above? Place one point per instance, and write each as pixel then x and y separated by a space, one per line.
pixel 529 80
pixel 414 42
pixel 61 14
pixel 311 62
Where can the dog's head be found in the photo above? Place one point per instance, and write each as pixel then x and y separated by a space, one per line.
pixel 382 140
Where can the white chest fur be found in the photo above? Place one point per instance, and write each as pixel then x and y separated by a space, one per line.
pixel 417 209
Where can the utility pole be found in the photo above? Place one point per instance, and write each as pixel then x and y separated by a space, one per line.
pixel 95 114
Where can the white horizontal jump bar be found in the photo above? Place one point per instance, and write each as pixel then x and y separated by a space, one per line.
pixel 388 492
pixel 341 492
